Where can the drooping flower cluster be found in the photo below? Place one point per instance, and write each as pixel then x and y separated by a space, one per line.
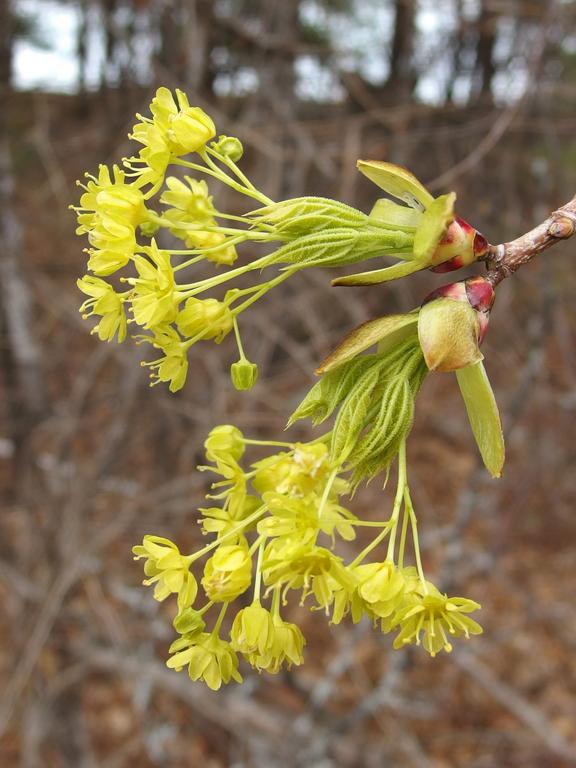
pixel 275 532
pixel 276 525
pixel 130 214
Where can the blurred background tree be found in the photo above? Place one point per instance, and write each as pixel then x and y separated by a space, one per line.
pixel 475 95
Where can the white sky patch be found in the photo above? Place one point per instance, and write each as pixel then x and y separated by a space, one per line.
pixel 54 69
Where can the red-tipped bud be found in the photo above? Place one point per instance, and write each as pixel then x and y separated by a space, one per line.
pixel 461 245
pixel 452 323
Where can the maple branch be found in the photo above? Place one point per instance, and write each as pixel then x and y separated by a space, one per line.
pixel 504 259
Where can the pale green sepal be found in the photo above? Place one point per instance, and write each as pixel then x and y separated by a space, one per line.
pixel 368 334
pixel 398 215
pixel 396 181
pixel 435 219
pixel 483 415
pixel 381 275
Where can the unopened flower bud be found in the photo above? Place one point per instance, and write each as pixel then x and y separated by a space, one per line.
pixel 224 440
pixel 228 146
pixel 189 130
pixel 189 621
pixel 206 318
pixel 243 374
pixel 452 324
pixel 461 245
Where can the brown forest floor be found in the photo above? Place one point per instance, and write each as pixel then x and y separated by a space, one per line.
pixel 82 644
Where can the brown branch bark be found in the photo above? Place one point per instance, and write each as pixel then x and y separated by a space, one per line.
pixel 504 259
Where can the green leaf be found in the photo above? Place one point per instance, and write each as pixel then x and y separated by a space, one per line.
pixel 351 419
pixel 324 396
pixel 397 215
pixel 435 219
pixel 391 328
pixel 392 422
pixel 483 415
pixel 396 181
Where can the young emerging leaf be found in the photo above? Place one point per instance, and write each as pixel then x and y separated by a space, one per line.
pixel 435 220
pixel 390 330
pixel 325 395
pixel 483 415
pixel 391 423
pixel 398 215
pixel 351 419
pixel 396 181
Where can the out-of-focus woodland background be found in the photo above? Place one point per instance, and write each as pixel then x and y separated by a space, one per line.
pixel 474 95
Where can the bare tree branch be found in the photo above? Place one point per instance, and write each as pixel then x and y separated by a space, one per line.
pixel 504 259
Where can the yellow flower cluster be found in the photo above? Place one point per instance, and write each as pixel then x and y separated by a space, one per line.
pixel 124 232
pixel 275 529
pixel 128 213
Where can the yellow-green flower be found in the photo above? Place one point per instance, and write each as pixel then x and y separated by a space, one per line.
pixel 189 128
pixel 191 213
pixel 167 569
pixel 109 196
pixel 154 157
pixel 103 301
pixel 205 318
pixel 297 473
pixel 172 367
pixel 223 520
pixel 233 483
pixel 438 617
pixel 313 569
pixel 223 442
pixel 383 586
pixel 300 518
pixel 175 129
pixel 208 658
pixel 228 573
pixel 285 644
pixel 252 630
pixel 294 518
pixel 191 198
pixel 109 211
pixel 155 298
pixel 113 244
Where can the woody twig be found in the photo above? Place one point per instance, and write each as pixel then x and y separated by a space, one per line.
pixel 503 260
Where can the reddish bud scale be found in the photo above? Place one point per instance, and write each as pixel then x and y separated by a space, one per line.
pixel 460 246
pixel 480 293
